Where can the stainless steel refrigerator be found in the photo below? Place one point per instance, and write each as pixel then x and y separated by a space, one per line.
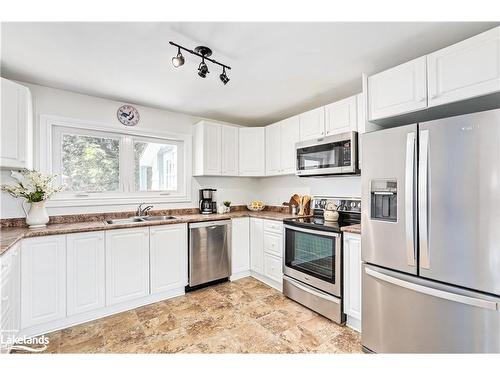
pixel 431 236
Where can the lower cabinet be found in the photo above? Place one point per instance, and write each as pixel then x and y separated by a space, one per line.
pixel 240 247
pixel 127 264
pixel 168 257
pixel 85 272
pixel 352 279
pixel 43 280
pixel 10 304
pixel 266 251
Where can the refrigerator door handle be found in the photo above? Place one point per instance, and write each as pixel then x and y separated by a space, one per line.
pixel 410 198
pixel 423 187
pixel 471 301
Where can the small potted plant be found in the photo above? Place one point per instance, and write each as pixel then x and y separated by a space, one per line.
pixel 36 188
pixel 227 205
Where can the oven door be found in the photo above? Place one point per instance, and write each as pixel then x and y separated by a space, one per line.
pixel 314 257
pixel 336 154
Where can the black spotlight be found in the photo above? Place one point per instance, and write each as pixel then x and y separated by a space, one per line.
pixel 223 77
pixel 178 60
pixel 203 69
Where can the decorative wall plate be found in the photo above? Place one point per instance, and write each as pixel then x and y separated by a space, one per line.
pixel 128 115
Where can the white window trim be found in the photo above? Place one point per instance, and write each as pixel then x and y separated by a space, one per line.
pixel 44 164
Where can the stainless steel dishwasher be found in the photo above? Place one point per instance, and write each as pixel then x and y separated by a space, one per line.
pixel 209 252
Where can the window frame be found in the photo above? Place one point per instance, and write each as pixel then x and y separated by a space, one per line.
pixel 126 194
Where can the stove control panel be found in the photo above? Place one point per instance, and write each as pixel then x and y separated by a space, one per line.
pixel 319 203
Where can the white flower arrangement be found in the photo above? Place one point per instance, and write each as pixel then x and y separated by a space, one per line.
pixel 32 185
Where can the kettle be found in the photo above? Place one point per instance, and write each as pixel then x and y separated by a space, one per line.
pixel 330 213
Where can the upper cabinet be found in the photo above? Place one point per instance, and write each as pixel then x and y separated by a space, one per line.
pixel 215 149
pixel 464 70
pixel 16 126
pixel 280 146
pixel 341 116
pixel 230 141
pixel 252 148
pixel 312 124
pixel 398 90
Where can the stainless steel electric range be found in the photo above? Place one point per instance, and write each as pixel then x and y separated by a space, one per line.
pixel 312 269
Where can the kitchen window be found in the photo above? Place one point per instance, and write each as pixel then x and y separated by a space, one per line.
pixel 125 167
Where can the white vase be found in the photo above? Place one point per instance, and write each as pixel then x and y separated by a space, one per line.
pixel 37 217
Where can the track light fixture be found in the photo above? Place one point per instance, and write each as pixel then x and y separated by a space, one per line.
pixel 178 60
pixel 223 77
pixel 204 53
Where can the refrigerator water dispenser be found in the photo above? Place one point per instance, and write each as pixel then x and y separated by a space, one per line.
pixel 384 200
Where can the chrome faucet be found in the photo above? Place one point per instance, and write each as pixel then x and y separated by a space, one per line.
pixel 143 211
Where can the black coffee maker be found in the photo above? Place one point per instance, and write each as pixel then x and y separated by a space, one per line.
pixel 207 203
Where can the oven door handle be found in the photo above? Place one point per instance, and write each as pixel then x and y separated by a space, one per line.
pixel 312 231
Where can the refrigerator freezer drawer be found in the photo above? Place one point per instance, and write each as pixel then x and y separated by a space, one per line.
pixel 407 314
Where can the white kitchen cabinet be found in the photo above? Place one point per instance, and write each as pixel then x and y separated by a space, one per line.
pixel 312 124
pixel 252 151
pixel 398 90
pixel 257 245
pixel 290 134
pixel 10 294
pixel 85 272
pixel 127 264
pixel 168 261
pixel 43 280
pixel 273 268
pixel 273 149
pixel 207 149
pixel 240 245
pixel 352 279
pixel 341 116
pixel 273 243
pixel 230 154
pixel 16 126
pixel 466 69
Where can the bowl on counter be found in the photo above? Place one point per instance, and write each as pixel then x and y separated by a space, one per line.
pixel 256 208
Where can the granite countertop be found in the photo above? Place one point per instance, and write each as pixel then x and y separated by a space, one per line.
pixel 10 235
pixel 355 228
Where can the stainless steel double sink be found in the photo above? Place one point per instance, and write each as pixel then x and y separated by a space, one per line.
pixel 140 219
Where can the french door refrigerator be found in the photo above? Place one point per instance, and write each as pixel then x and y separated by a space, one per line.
pixel 431 236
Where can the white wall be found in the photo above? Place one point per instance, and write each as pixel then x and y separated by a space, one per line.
pixel 239 190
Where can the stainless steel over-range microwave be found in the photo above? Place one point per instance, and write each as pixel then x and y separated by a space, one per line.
pixel 335 154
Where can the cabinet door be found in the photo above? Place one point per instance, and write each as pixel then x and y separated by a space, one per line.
pixel 352 275
pixel 230 141
pixel 169 253
pixel 86 270
pixel 465 70
pixel 312 124
pixel 273 267
pixel 290 135
pixel 399 90
pixel 341 116
pixel 240 244
pixel 127 264
pixel 273 149
pixel 212 149
pixel 43 280
pixel 257 245
pixel 16 125
pixel 252 151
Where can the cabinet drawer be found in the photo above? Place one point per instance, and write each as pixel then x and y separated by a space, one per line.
pixel 273 267
pixel 273 226
pixel 273 243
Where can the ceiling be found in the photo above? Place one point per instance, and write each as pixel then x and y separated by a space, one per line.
pixel 278 69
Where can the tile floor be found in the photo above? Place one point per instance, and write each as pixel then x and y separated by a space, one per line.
pixel 245 316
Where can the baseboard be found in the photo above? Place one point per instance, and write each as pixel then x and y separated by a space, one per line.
pixel 100 313
pixel 266 280
pixel 239 275
pixel 353 323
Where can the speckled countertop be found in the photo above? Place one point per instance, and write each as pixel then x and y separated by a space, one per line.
pixel 355 228
pixel 9 236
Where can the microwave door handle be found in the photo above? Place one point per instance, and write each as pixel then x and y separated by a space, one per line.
pixel 410 198
pixel 423 191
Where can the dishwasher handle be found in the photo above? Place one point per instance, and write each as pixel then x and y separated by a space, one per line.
pixel 210 224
